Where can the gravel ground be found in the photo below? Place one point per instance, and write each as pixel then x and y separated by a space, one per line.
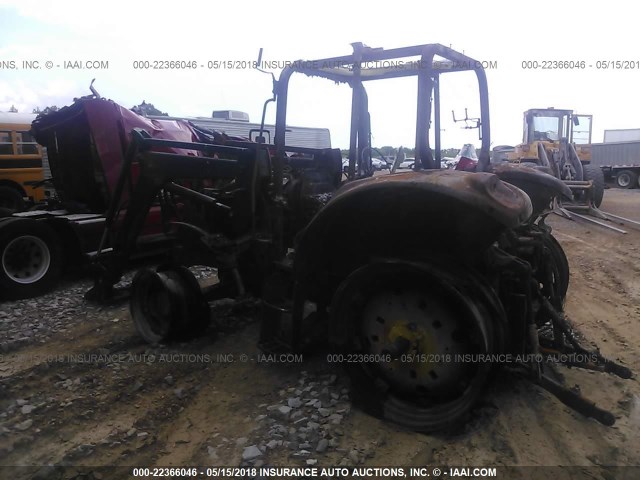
pixel 74 363
pixel 79 387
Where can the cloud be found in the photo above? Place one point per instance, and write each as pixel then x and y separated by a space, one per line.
pixel 27 96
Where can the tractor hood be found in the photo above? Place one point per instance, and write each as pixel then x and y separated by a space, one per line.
pixel 86 143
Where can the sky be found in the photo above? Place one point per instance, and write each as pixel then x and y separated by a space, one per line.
pixel 118 34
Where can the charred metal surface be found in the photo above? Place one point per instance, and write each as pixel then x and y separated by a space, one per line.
pixel 408 215
pixel 496 199
pixel 218 221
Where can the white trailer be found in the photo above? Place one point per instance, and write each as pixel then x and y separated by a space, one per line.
pixel 619 156
pixel 237 124
pixel 622 135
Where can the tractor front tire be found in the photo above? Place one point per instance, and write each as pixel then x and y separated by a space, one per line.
pixel 167 305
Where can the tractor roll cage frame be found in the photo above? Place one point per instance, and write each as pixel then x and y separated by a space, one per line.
pixel 349 69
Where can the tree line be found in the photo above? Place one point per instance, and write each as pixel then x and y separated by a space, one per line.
pixel 391 152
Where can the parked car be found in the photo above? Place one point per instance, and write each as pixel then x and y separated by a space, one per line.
pixel 449 162
pixel 379 164
pixel 407 164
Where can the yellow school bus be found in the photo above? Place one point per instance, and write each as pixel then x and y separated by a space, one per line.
pixel 20 161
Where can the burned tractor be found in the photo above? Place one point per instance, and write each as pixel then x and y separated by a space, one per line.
pixel 463 273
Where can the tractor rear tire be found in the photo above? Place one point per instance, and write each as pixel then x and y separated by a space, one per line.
pixel 421 386
pixel 627 179
pixel 30 258
pixel 11 199
pixel 594 173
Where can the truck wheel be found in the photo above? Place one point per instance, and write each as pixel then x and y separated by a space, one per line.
pixel 30 258
pixel 627 179
pixel 11 199
pixel 412 331
pixel 594 173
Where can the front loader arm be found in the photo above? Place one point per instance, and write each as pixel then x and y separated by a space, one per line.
pixel 157 171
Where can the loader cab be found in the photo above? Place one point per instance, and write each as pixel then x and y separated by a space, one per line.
pixel 554 127
pixel 581 126
pixel 546 125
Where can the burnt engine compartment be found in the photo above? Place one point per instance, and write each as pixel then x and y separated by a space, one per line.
pixel 310 179
pixel 242 207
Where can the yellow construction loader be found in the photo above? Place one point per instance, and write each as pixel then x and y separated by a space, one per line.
pixel 559 142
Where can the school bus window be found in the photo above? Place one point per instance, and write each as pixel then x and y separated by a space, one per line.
pixel 26 144
pixel 6 145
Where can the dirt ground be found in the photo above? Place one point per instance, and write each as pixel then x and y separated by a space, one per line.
pixel 96 395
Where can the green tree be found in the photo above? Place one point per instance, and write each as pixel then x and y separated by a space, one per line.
pixel 409 152
pixel 388 151
pixel 46 110
pixel 450 152
pixel 146 109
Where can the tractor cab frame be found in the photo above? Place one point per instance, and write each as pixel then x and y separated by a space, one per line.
pixel 425 62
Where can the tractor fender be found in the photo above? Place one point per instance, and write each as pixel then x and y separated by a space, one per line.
pixel 413 216
pixel 541 187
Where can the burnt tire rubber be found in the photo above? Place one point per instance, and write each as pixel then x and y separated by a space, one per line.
pixel 560 267
pixel 413 392
pixel 167 305
pixel 5 212
pixel 627 179
pixel 30 258
pixel 11 199
pixel 594 173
